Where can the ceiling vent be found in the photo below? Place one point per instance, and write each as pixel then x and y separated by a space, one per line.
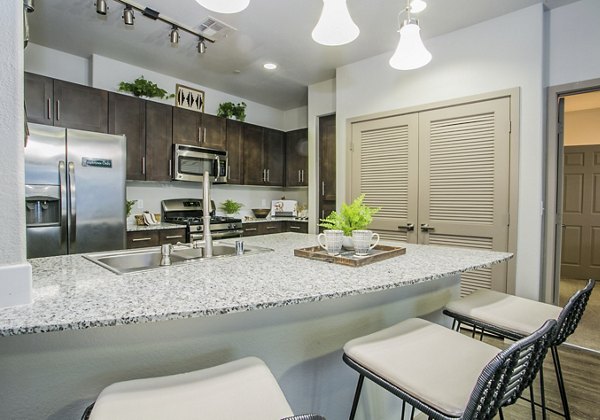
pixel 215 29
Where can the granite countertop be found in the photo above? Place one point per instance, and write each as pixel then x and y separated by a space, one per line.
pixel 70 292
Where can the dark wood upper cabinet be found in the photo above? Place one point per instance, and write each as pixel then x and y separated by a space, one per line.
pixel 68 105
pixel 254 170
pixel 198 129
pixel 127 115
pixel 159 141
pixel 296 158
pixel 214 131
pixel 235 151
pixel 327 164
pixel 274 155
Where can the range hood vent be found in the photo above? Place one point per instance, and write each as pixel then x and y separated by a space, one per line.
pixel 215 29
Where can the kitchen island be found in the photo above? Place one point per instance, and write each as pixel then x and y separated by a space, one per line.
pixel 292 312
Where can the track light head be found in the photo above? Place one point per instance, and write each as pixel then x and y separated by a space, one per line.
pixel 128 16
pixel 201 46
pixel 101 7
pixel 174 36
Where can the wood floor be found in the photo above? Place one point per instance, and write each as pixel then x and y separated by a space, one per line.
pixel 581 370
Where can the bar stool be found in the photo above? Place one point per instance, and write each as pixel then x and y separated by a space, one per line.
pixel 244 389
pixel 514 317
pixel 443 373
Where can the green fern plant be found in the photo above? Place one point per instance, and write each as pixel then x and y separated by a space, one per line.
pixel 143 87
pixel 351 217
pixel 231 206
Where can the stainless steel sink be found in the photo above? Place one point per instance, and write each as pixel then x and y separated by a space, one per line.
pixel 129 261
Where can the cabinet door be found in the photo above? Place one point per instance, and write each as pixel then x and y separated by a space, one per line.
pixel 171 236
pixel 39 99
pixel 251 229
pixel 267 228
pixel 159 141
pixel 274 155
pixel 296 158
pixel 235 151
pixel 81 107
pixel 127 115
pixel 187 127
pixel 297 227
pixel 142 238
pixel 213 131
pixel 254 169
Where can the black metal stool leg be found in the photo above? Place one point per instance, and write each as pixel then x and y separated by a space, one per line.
pixel 542 392
pixel 361 379
pixel 561 383
pixel 532 402
pixel 501 413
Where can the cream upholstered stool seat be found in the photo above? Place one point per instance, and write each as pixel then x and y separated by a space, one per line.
pixel 242 389
pixel 514 317
pixel 444 373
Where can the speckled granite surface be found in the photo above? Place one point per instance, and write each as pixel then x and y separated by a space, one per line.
pixel 71 292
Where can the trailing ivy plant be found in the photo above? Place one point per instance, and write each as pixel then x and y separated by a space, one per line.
pixel 351 217
pixel 230 110
pixel 143 87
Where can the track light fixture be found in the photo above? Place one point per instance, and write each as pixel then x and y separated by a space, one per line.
pixel 174 36
pixel 176 27
pixel 128 16
pixel 101 7
pixel 201 46
pixel 410 53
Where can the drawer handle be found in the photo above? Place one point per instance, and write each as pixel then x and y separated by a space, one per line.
pixel 250 229
pixel 295 227
pixel 141 239
pixel 174 236
pixel 271 227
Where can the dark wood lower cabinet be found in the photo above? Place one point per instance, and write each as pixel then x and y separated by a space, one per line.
pixel 267 228
pixel 298 227
pixel 145 238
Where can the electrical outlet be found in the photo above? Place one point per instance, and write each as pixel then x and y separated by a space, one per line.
pixel 140 204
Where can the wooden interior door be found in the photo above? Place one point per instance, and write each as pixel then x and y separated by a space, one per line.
pixel 385 168
pixel 580 256
pixel 464 182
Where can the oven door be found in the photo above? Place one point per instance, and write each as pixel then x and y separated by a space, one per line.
pixel 191 162
pixel 220 234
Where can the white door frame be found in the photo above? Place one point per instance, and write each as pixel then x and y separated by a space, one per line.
pixel 549 287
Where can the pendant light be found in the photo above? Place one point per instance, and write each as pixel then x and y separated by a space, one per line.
pixel 410 53
pixel 335 26
pixel 224 6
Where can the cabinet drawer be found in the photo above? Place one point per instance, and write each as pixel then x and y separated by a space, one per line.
pixel 251 229
pixel 298 227
pixel 141 239
pixel 271 227
pixel 171 236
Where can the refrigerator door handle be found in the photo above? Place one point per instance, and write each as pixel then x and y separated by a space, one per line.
pixel 72 207
pixel 62 181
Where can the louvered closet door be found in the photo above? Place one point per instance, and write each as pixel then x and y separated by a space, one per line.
pixel 463 182
pixel 385 168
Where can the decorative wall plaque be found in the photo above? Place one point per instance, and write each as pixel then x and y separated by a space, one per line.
pixel 189 98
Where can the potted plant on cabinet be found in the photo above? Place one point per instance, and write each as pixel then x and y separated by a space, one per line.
pixel 355 216
pixel 231 110
pixel 143 87
pixel 230 207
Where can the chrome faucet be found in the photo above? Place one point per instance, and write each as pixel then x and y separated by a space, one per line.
pixel 206 207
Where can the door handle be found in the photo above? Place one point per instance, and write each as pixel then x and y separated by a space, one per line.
pixel 63 201
pixel 73 208
pixel 57 109
pixel 409 227
pixel 426 228
pixel 323 188
pixel 48 114
pixel 170 168
pixel 268 175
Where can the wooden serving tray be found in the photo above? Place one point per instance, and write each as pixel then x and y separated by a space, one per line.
pixel 379 253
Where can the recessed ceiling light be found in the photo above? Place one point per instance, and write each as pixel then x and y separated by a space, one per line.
pixel 270 66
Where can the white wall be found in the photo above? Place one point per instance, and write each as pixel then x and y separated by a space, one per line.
pixel 574 32
pixel 321 101
pixel 296 118
pixel 15 272
pixel 498 54
pixel 57 64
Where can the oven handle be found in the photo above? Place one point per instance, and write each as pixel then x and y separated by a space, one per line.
pixel 218 168
pixel 218 235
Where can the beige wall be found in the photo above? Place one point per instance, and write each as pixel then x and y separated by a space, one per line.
pixel 582 127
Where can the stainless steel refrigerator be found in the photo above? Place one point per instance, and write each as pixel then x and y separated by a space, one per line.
pixel 74 191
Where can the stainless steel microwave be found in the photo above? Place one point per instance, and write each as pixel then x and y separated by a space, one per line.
pixel 192 161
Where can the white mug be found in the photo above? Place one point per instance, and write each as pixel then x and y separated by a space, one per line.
pixel 362 241
pixel 333 241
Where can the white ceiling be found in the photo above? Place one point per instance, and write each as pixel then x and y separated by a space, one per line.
pixel 268 30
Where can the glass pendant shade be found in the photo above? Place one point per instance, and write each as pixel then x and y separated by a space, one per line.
pixel 224 6
pixel 410 53
pixel 335 26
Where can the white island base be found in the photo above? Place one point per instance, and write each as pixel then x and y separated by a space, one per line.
pixel 56 375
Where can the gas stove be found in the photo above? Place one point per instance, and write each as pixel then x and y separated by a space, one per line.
pixel 188 212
